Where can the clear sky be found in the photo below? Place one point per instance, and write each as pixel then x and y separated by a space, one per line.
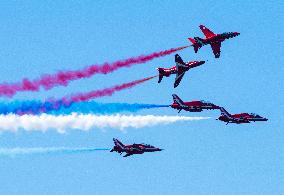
pixel 200 157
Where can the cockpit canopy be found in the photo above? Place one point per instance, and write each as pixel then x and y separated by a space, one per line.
pixel 255 115
pixel 147 145
pixel 230 34
pixel 205 102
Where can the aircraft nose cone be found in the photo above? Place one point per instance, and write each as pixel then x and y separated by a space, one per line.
pixel 237 33
pixel 202 62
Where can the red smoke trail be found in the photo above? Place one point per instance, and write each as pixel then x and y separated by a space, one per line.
pixel 105 92
pixel 67 101
pixel 64 77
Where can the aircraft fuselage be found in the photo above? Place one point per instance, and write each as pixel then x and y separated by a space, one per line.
pixel 216 38
pixel 173 70
pixel 194 106
pixel 250 117
pixel 233 120
pixel 241 118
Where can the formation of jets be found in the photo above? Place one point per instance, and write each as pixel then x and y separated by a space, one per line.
pixel 180 68
pixel 200 105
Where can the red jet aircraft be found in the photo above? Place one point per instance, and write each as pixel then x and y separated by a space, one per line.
pixel 239 118
pixel 213 39
pixel 132 149
pixel 193 106
pixel 179 69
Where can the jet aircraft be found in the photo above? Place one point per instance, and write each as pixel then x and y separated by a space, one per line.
pixel 193 106
pixel 180 69
pixel 132 149
pixel 211 38
pixel 239 118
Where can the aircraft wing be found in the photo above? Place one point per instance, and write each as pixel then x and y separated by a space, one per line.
pixel 195 109
pixel 179 61
pixel 216 48
pixel 160 78
pixel 136 149
pixel 208 33
pixel 178 78
pixel 181 68
pixel 243 120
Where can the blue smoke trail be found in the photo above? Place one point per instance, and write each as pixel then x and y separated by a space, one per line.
pixel 107 108
pixel 12 152
pixel 61 107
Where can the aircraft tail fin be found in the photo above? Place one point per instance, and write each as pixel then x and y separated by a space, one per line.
pixel 161 74
pixel 118 146
pixel 194 44
pixel 177 100
pixel 224 112
pixel 192 40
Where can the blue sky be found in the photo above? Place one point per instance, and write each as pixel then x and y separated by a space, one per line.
pixel 200 157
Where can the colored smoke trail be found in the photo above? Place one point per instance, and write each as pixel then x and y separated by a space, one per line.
pixel 104 92
pixel 65 102
pixel 87 122
pixel 12 152
pixel 36 107
pixel 107 108
pixel 63 78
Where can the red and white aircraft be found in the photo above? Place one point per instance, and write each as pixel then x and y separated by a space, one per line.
pixel 133 148
pixel 180 69
pixel 193 106
pixel 212 39
pixel 239 118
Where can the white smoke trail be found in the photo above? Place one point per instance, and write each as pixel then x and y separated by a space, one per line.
pixel 31 151
pixel 85 122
